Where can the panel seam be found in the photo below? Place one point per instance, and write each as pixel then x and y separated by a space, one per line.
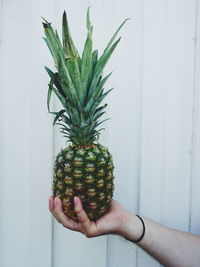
pixel 53 154
pixel 194 116
pixel 141 115
pixel 1 21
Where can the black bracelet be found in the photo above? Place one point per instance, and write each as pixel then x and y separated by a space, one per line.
pixel 143 232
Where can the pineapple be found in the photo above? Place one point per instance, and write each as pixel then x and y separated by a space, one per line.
pixel 84 168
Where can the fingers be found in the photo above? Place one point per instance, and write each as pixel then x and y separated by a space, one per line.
pixel 52 206
pixel 55 207
pixel 81 214
pixel 86 225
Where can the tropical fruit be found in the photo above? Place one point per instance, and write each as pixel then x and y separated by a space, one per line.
pixel 85 167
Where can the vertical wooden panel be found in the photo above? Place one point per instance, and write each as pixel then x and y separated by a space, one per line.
pixel 153 78
pixel 167 113
pixel 25 140
pixel 154 41
pixel 195 196
pixel 14 142
pixel 41 139
pixel 179 105
pixel 1 21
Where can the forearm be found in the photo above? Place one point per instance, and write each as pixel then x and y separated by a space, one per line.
pixel 170 247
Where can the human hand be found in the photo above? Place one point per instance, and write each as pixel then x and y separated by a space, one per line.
pixel 114 221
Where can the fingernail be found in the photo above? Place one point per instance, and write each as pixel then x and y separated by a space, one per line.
pixel 76 201
pixel 56 200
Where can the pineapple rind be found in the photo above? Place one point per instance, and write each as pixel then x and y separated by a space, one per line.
pixel 85 168
pixel 92 181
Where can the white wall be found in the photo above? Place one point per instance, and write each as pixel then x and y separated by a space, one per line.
pixel 153 133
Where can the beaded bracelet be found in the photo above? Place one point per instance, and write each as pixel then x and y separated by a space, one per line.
pixel 143 232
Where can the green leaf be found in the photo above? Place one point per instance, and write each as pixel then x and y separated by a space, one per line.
pixel 101 64
pixel 103 81
pixel 66 81
pixel 95 93
pixel 64 126
pixel 73 68
pixel 86 64
pixel 99 123
pixel 94 59
pixel 49 97
pixel 75 116
pixel 114 36
pixel 93 64
pixel 58 115
pixel 100 108
pixel 64 118
pixel 104 58
pixel 98 115
pixel 59 42
pixel 68 44
pixel 72 57
pixel 94 98
pixel 88 22
pixel 67 120
pixel 46 41
pixel 60 97
pixel 55 79
pixel 105 94
pixel 100 99
pixel 53 42
pixel 53 112
pixel 78 82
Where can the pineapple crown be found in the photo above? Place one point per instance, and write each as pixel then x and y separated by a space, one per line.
pixel 78 82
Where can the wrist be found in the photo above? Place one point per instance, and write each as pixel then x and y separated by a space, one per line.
pixel 132 227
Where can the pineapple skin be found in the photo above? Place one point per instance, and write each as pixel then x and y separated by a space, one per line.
pixel 86 172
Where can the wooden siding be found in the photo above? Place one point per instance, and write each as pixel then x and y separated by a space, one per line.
pixel 153 133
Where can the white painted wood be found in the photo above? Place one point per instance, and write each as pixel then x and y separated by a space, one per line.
pixel 153 133
pixel 25 140
pixel 41 139
pixel 14 143
pixel 195 196
pixel 178 129
pixel 153 82
pixel 167 114
pixel 1 20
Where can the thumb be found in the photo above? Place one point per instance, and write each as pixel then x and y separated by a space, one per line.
pixel 82 216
